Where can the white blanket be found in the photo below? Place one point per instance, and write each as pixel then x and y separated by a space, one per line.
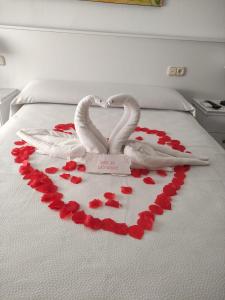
pixel 43 257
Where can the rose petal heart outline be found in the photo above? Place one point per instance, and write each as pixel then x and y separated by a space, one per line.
pixel 145 219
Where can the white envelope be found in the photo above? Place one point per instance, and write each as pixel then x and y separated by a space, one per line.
pixel 107 163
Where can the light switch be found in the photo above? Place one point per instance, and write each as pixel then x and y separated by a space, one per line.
pixel 176 71
pixel 171 71
pixel 180 71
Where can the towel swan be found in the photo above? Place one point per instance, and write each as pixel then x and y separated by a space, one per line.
pixel 62 145
pixel 89 136
pixel 127 123
pixel 143 155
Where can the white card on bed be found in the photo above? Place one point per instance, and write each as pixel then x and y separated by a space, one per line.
pixel 107 163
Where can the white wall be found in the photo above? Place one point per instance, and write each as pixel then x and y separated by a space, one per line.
pixel 194 18
pixel 56 55
pixel 45 54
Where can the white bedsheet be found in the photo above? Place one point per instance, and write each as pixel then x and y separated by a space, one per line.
pixel 43 257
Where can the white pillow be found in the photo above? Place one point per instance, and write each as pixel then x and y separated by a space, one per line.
pixel 71 92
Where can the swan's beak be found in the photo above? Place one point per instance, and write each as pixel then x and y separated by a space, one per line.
pixel 100 101
pixel 108 103
pixel 104 104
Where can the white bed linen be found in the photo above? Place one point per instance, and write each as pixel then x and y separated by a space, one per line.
pixel 43 257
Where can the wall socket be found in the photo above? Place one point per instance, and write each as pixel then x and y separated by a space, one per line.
pixel 176 71
pixel 2 60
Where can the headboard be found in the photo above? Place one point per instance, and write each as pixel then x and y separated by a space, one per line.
pixel 38 53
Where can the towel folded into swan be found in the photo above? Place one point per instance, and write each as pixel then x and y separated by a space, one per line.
pixel 89 139
pixel 143 155
pixel 62 145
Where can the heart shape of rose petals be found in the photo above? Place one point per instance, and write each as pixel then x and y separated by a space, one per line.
pixel 42 183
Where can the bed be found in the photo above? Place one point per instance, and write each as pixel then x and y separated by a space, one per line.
pixel 45 257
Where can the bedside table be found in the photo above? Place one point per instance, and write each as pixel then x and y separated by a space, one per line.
pixel 6 96
pixel 213 120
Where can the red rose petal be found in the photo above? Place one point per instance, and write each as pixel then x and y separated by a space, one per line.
pixel 180 175
pixel 136 173
pixel 164 204
pixel 96 224
pixel 68 126
pixel 164 139
pixel 146 224
pixel 81 168
pixel 179 169
pixel 146 130
pixel 56 205
pixel 59 130
pixel 46 188
pixel 76 180
pixel 136 231
pixel 164 201
pixel 113 203
pixel 64 212
pixel 72 206
pixel 151 131
pixel 22 153
pixel 155 209
pixel 148 180
pixel 25 169
pixel 161 142
pixel 126 190
pixel 177 182
pixel 93 223
pixel 108 224
pixel 51 170
pixel 146 215
pixel 163 197
pixel 144 172
pixel 65 176
pixel 161 173
pixel 34 182
pixel 175 142
pixel 15 151
pixel 51 197
pixel 68 208
pixel 138 129
pixel 95 203
pixel 27 176
pixel 170 189
pixel 139 138
pixel 120 228
pixel 20 159
pixel 19 143
pixel 70 166
pixel 79 217
pixel 187 167
pixel 180 148
pixel 110 196
pixel 160 133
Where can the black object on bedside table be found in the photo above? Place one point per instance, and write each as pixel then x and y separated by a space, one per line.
pixel 213 104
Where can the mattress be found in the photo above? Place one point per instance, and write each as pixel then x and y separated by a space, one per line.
pixel 43 257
